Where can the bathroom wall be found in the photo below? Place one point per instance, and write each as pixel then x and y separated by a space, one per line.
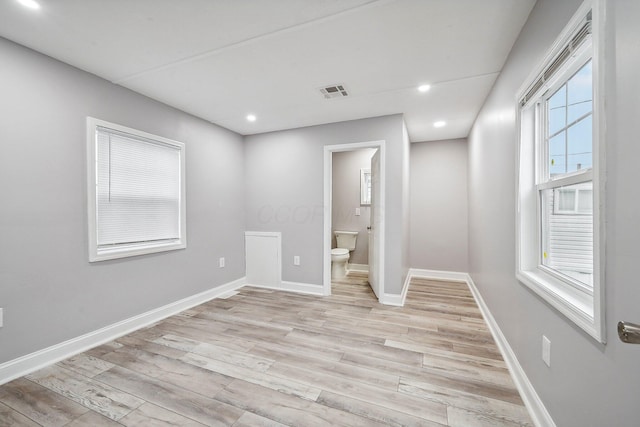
pixel 49 291
pixel 588 384
pixel 346 198
pixel 439 205
pixel 285 192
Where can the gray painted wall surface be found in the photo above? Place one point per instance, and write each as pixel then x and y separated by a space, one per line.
pixel 284 192
pixel 439 205
pixel 48 289
pixel 588 384
pixel 346 198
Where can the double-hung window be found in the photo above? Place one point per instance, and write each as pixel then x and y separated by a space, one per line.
pixel 136 192
pixel 565 176
pixel 559 200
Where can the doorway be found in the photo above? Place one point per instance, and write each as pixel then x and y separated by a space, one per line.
pixel 376 261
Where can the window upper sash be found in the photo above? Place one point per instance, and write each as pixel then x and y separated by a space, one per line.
pixel 541 83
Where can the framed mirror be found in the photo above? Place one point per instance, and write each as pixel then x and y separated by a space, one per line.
pixel 365 186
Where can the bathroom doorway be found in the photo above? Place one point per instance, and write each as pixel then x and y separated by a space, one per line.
pixel 354 215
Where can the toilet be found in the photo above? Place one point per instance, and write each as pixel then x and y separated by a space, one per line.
pixel 346 242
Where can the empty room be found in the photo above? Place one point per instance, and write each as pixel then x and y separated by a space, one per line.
pixel 319 213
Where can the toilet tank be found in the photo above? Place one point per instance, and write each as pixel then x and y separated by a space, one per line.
pixel 346 239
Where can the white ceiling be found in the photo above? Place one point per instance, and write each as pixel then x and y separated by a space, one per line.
pixel 223 59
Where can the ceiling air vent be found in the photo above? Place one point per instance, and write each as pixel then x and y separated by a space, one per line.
pixel 335 91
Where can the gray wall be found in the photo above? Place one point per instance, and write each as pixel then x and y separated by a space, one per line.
pixel 588 384
pixel 284 192
pixel 439 205
pixel 48 289
pixel 346 198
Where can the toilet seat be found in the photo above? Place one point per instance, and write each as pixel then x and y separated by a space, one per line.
pixel 339 251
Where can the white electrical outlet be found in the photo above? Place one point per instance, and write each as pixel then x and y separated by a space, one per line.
pixel 357 211
pixel 546 351
pixel 1 317
pixel 221 262
pixel 296 260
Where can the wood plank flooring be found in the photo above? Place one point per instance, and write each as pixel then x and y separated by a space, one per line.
pixel 269 358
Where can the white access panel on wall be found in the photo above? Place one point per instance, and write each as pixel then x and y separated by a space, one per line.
pixel 263 260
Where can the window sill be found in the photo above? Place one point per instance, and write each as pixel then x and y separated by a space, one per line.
pixel 572 303
pixel 125 251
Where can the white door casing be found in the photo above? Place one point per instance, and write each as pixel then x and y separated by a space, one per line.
pixel 374 233
pixel 379 241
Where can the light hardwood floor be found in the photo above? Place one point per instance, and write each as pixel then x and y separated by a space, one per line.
pixel 269 358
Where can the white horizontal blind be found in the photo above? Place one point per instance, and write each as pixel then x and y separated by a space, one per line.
pixel 137 190
pixel 582 35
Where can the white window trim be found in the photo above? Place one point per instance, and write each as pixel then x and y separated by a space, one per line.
pixel 122 251
pixel 585 309
pixel 365 193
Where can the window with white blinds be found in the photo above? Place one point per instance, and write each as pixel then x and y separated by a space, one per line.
pixel 136 188
pixel 561 146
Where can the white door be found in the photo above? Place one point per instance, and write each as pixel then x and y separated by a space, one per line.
pixel 375 228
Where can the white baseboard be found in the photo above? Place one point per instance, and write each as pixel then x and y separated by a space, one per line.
pixel 537 410
pixel 453 276
pixel 392 299
pixel 358 267
pixel 32 362
pixel 301 288
pixel 395 299
pixel 398 300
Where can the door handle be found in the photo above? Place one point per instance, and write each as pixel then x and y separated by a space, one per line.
pixel 629 332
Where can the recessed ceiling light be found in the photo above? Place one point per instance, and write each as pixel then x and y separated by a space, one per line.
pixel 251 117
pixel 439 124
pixel 424 88
pixel 31 4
